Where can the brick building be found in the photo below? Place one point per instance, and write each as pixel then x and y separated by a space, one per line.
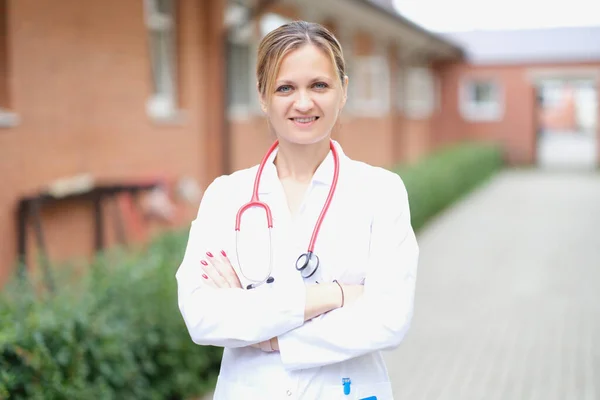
pixel 97 94
pixel 536 91
pixel 112 92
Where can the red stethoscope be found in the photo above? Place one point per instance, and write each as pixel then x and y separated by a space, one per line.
pixel 308 263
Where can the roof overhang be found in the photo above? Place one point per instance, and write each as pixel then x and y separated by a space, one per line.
pixel 410 35
pixel 384 24
pixel 387 25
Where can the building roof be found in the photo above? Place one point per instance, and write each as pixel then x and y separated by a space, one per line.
pixel 387 8
pixel 552 45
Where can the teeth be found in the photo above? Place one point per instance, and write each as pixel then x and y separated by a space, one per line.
pixel 305 120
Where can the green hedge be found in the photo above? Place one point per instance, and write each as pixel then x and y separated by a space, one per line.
pixel 117 333
pixel 440 179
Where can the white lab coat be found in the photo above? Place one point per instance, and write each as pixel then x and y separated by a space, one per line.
pixel 366 236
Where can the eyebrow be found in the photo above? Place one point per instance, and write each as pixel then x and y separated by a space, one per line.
pixel 316 79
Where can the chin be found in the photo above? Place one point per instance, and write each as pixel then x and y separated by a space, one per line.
pixel 304 138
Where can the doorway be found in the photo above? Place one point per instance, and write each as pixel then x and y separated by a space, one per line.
pixel 567 116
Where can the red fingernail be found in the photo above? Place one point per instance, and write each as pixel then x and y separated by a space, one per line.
pixel 208 253
pixel 203 262
pixel 204 276
pixel 223 252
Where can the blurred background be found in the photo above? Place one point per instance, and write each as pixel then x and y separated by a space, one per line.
pixel 116 115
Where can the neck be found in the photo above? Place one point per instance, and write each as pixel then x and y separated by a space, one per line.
pixel 299 162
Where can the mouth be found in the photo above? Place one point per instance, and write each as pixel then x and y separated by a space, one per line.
pixel 304 121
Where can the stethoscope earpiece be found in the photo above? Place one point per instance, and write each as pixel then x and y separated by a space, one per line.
pixel 253 286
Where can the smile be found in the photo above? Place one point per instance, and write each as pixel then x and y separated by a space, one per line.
pixel 304 121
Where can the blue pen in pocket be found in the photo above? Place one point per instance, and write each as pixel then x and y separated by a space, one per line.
pixel 346 382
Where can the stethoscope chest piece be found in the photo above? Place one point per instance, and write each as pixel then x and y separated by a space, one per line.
pixel 307 264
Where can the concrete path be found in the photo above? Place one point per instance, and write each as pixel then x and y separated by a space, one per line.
pixel 508 295
pixel 567 150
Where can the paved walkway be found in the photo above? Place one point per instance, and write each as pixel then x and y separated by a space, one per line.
pixel 567 150
pixel 508 295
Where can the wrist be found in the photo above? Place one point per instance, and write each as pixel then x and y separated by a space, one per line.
pixel 341 294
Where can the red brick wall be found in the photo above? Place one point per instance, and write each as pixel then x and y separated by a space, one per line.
pixel 4 101
pixel 81 79
pixel 517 128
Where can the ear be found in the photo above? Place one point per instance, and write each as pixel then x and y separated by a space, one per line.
pixel 345 92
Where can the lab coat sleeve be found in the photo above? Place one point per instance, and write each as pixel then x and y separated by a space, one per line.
pixel 380 318
pixel 230 317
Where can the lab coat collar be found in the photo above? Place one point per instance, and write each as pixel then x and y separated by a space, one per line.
pixel 323 175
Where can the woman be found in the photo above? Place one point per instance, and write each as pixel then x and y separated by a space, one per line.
pixel 288 332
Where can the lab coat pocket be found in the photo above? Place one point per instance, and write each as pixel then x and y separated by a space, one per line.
pixel 380 391
pixel 228 389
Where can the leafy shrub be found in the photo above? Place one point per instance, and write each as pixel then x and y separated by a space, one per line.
pixel 115 334
pixel 437 181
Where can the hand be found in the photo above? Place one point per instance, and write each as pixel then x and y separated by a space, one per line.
pixel 268 346
pixel 218 271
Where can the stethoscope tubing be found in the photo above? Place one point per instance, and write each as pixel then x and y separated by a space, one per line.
pixel 255 202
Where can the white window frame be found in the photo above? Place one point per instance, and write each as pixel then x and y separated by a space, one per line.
pixel 472 111
pixel 248 37
pixel 242 111
pixel 271 21
pixel 400 88
pixel 162 104
pixel 375 69
pixel 8 119
pixel 420 95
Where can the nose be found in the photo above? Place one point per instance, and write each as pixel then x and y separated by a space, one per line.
pixel 304 101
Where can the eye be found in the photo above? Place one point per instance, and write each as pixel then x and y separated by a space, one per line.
pixel 321 85
pixel 284 88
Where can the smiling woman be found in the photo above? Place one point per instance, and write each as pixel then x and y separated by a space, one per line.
pixel 294 324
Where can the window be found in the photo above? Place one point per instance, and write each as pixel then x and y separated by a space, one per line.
pixel 369 85
pixel 552 94
pixel 160 21
pixel 480 100
pixel 420 94
pixel 3 55
pixel 7 118
pixel 242 94
pixel 401 88
pixel 271 21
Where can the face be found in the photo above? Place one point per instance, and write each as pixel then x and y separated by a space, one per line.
pixel 308 97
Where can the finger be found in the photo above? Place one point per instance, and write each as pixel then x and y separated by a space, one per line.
pixel 214 275
pixel 232 275
pixel 207 281
pixel 220 268
pixel 225 269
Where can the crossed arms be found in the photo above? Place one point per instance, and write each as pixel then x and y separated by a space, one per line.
pixel 305 323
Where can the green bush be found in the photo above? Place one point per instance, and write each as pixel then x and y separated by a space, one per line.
pixel 440 179
pixel 116 333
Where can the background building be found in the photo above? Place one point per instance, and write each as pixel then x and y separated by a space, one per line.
pixel 103 100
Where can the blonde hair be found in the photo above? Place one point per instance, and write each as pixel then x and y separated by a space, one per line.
pixel 291 36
